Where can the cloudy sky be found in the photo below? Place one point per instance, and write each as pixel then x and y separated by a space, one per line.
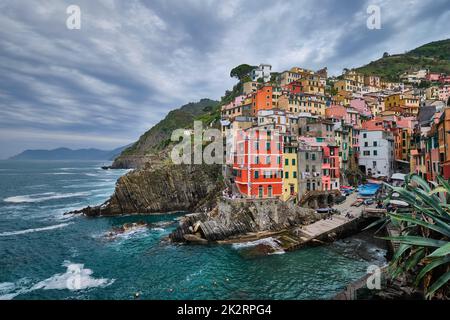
pixel 133 61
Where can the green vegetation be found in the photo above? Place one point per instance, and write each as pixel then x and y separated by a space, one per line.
pixel 424 225
pixel 241 71
pixel 434 56
pixel 158 137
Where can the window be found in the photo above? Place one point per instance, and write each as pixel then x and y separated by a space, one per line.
pixel 313 156
pixel 307 168
pixel 364 135
pixel 256 174
pixel 267 145
pixel 286 175
pixel 374 164
pixel 257 145
pixel 256 160
pixel 293 162
pixel 313 168
pixel 260 191
pixel 375 152
pixel 375 143
pixel 366 153
pixel 366 144
pixel 306 155
pixel 294 174
pixel 278 160
pixel 268 159
pixel 286 162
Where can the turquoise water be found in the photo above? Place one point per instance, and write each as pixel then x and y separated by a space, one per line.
pixel 368 189
pixel 41 249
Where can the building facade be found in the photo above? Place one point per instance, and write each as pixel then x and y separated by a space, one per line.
pixel 377 153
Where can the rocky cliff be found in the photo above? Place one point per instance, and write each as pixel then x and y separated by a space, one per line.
pixel 235 218
pixel 162 188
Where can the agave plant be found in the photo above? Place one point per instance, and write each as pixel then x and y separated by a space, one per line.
pixel 424 247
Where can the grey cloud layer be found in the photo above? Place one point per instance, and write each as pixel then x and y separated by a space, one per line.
pixel 132 61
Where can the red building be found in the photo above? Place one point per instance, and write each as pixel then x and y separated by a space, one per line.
pixel 294 87
pixel 257 164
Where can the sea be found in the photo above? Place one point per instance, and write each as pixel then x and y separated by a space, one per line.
pixel 45 254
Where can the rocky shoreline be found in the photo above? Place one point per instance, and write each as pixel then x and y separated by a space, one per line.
pixel 154 189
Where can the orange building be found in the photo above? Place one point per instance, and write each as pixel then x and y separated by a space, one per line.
pixel 258 163
pixel 262 99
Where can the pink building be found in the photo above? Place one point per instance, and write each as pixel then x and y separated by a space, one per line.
pixel 444 79
pixel 338 112
pixel 444 93
pixel 361 106
pixel 330 167
pixel 433 76
pixel 233 109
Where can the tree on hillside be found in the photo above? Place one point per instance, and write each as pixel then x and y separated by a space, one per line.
pixel 385 55
pixel 241 71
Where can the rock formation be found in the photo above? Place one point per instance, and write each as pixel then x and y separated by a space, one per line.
pixel 238 217
pixel 162 188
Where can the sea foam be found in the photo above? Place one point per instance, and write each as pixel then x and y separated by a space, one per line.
pixel 76 278
pixel 13 233
pixel 40 197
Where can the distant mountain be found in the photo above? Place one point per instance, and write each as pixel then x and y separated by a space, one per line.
pixel 434 56
pixel 69 154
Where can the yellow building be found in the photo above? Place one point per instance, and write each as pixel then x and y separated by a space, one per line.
pixel 405 104
pixel 311 84
pixel 354 76
pixel 296 103
pixel 343 98
pixel 348 85
pixel 290 174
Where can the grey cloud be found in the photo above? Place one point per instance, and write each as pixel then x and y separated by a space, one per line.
pixel 133 61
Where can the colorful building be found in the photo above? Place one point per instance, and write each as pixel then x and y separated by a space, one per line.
pixel 443 127
pixel 330 167
pixel 405 104
pixel 262 99
pixel 290 168
pixel 257 165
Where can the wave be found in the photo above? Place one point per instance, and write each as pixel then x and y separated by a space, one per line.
pixel 9 290
pixel 13 233
pixel 76 278
pixel 60 173
pixel 91 174
pixel 40 197
pixel 91 185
